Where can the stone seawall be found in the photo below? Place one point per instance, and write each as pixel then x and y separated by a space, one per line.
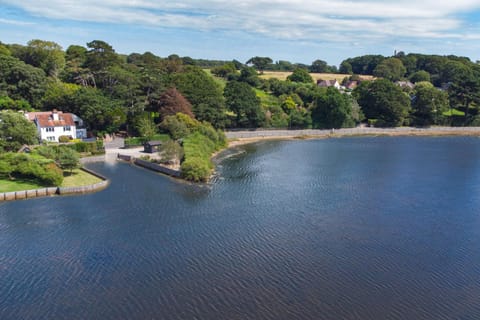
pixel 158 168
pixel 44 192
pixel 151 166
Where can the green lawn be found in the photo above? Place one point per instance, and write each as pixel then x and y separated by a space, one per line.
pixel 78 178
pixel 18 185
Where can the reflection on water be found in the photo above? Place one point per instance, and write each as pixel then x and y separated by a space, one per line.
pixel 358 228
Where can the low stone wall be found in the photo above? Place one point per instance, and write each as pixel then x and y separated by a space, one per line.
pixel 36 193
pixel 28 194
pixel 150 165
pixel 124 157
pixel 158 168
pixel 83 189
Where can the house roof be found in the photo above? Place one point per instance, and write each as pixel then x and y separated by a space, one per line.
pixel 327 83
pixel 154 143
pixel 45 119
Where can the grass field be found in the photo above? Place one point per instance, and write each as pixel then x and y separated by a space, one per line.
pixel 79 178
pixel 316 76
pixel 18 185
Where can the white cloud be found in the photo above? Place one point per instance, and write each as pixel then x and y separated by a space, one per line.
pixel 314 20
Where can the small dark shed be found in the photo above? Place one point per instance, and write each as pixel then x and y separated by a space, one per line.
pixel 152 146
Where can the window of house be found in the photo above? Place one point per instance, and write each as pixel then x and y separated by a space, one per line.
pixel 50 129
pixel 66 128
pixel 51 138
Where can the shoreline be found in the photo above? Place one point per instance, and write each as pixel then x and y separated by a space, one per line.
pixel 239 138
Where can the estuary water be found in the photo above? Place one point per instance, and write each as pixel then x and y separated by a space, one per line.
pixel 349 228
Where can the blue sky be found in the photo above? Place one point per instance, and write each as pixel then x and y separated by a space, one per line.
pixel 293 30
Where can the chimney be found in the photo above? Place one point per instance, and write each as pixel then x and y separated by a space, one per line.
pixel 55 115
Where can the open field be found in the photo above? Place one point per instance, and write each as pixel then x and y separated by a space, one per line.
pixel 280 75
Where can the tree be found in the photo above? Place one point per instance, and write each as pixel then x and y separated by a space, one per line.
pixel 260 63
pixel 420 76
pixel 428 104
pixel 465 94
pixel 332 110
pixel 203 93
pixel 15 131
pixel 242 100
pixel 172 102
pixel 147 128
pixel 21 81
pixel 225 70
pixel 171 152
pixel 391 69
pixel 383 101
pixel 46 55
pixel 300 75
pixel 100 56
pixel 319 66
pixel 346 67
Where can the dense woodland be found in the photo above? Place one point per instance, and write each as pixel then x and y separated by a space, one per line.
pixel 113 92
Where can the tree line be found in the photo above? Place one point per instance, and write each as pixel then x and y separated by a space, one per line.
pixel 136 92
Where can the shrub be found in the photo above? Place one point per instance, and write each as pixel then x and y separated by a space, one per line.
pixel 196 169
pixel 63 139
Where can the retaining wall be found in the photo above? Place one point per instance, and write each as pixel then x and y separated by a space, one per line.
pixel 150 165
pixel 158 168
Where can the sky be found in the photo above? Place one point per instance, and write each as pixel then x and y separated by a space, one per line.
pixel 299 31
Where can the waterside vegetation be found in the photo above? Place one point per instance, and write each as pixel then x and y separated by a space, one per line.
pixel 191 101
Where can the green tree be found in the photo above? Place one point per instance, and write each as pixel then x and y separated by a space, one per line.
pixel 100 56
pixel 203 93
pixel 242 100
pixel 428 105
pixel 319 66
pixel 332 110
pixel 346 68
pixel 225 70
pixel 46 55
pixel 391 69
pixel 21 81
pixel 420 76
pixel 384 101
pixel 147 128
pixel 260 63
pixel 15 131
pixel 300 75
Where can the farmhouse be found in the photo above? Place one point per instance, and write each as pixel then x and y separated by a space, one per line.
pixel 51 125
pixel 328 83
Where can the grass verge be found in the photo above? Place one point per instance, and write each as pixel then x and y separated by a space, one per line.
pixel 79 178
pixel 18 185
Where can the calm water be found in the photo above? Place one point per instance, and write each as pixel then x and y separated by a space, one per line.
pixel 357 228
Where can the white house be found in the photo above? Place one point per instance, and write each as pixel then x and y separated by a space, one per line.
pixel 51 125
pixel 328 83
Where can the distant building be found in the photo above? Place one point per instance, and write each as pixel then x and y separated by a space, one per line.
pixel 351 84
pixel 328 83
pixel 405 84
pixel 51 125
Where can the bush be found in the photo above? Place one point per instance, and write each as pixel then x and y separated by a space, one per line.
pixel 196 169
pixel 63 139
